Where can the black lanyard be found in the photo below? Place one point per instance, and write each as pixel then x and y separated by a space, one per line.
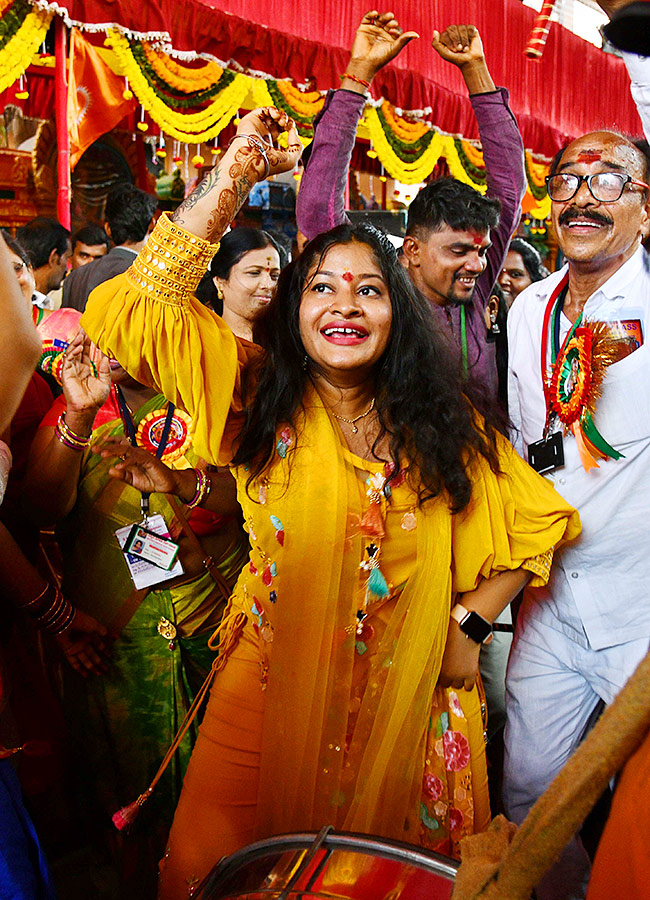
pixel 130 430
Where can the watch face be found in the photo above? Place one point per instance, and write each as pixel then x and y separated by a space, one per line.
pixel 476 627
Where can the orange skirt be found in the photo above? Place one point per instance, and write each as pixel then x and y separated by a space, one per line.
pixel 217 811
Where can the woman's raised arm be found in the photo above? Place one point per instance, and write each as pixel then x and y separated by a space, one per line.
pixel 149 319
pixel 251 157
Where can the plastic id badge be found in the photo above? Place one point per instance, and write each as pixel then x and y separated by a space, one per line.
pixel 144 573
pixel 547 455
pixel 153 548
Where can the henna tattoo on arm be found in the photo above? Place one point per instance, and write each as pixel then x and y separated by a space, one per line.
pixel 200 191
pixel 208 216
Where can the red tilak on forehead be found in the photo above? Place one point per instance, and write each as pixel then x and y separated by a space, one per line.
pixel 589 156
pixel 477 238
pixel 348 276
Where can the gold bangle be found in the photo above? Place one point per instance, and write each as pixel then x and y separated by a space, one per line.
pixel 68 437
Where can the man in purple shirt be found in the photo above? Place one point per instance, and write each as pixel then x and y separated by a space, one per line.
pixel 456 240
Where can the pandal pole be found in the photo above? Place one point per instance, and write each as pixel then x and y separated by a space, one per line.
pixel 63 197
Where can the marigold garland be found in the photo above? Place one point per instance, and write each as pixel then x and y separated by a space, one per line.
pixel 408 149
pixel 11 21
pixel 536 172
pixel 474 154
pixel 306 104
pixel 22 31
pixel 408 173
pixel 476 173
pixel 457 167
pixel 182 78
pixel 303 123
pixel 262 97
pixel 407 130
pixel 187 127
pixel 168 94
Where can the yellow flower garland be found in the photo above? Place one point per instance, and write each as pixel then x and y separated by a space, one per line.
pixel 403 128
pixel 191 128
pixel 207 123
pixel 261 97
pixel 307 104
pixel 542 210
pixel 260 92
pixel 474 155
pixel 456 167
pixel 538 171
pixel 19 50
pixel 407 173
pixel 182 78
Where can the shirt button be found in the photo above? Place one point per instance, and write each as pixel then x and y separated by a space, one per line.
pixel 574 575
pixel 562 480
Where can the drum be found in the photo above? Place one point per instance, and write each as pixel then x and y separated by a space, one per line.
pixel 330 866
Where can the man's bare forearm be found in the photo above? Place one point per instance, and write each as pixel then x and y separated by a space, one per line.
pixel 477 78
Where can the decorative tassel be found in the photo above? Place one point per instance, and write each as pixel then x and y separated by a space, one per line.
pixel 22 93
pixel 197 160
pixel 377 584
pixel 126 816
pixel 372 522
pixel 142 125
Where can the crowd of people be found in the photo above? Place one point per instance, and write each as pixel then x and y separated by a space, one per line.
pixel 263 522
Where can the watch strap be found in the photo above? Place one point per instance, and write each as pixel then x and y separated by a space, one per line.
pixel 472 624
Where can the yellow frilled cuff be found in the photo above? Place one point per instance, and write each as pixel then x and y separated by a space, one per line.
pixel 171 264
pixel 149 319
pixel 540 566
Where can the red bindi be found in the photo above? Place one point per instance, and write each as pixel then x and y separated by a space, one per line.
pixel 477 239
pixel 347 276
pixel 589 156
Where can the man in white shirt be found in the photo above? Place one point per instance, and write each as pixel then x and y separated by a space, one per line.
pixel 579 639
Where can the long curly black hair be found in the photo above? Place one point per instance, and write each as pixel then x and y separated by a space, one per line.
pixel 420 398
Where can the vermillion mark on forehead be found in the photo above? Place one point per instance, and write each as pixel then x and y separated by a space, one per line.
pixel 589 156
pixel 347 276
pixel 477 239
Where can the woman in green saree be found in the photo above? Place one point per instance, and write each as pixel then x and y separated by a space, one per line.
pixel 123 721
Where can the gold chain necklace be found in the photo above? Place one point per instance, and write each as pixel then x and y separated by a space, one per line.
pixel 353 421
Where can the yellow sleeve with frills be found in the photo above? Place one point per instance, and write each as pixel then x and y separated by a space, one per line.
pixel 514 519
pixel 151 322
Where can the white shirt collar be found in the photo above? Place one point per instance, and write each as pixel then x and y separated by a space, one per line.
pixel 616 285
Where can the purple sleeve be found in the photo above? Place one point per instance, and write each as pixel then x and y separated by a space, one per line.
pixel 321 198
pixel 503 152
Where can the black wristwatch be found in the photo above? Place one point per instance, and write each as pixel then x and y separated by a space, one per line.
pixel 472 624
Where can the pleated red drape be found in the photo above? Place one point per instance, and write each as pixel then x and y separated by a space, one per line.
pixel 574 89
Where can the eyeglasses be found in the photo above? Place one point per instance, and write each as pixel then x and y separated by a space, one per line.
pixel 606 187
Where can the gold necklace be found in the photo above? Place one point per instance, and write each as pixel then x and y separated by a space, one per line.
pixel 353 421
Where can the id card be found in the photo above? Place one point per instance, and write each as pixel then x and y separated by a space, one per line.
pixel 145 574
pixel 159 551
pixel 546 455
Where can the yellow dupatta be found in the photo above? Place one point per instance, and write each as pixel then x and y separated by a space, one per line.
pixel 306 777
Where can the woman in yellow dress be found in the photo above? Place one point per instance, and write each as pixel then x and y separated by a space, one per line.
pixel 375 499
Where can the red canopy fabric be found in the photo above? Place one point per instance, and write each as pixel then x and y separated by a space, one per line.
pixel 574 89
